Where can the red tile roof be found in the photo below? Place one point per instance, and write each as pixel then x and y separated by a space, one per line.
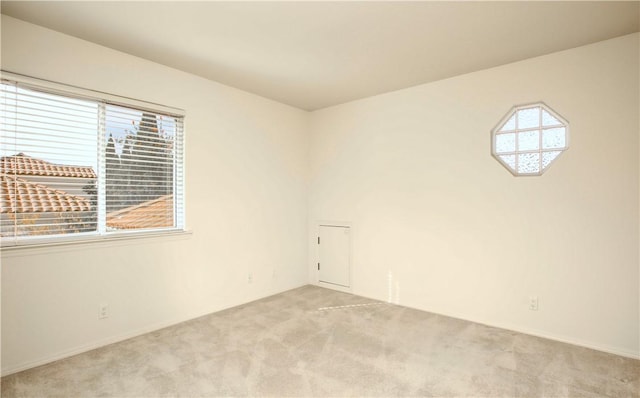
pixel 156 213
pixel 21 196
pixel 22 164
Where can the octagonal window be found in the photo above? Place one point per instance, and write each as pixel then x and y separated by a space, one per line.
pixel 529 139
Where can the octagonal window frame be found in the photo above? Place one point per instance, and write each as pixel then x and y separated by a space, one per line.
pixel 537 147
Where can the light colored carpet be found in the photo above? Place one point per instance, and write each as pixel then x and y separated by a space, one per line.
pixel 317 342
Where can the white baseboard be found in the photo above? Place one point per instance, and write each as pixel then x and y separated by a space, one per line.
pixel 532 332
pixel 569 340
pixel 120 337
pixel 151 328
pixel 332 286
pixel 93 345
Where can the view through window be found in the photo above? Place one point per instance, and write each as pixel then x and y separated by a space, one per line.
pixel 84 166
pixel 529 139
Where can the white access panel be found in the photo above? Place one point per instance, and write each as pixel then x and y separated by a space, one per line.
pixel 333 255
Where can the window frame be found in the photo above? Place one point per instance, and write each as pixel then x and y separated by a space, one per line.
pixel 514 111
pixel 103 99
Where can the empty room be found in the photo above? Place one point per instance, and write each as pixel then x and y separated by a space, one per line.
pixel 320 199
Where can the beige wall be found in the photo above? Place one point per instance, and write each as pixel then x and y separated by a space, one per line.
pixel 246 205
pixel 439 225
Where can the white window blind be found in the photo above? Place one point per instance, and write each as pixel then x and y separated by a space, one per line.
pixel 72 165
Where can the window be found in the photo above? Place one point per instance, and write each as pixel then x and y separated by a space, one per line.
pixel 529 139
pixel 76 165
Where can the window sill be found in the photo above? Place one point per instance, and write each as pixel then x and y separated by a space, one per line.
pixel 70 243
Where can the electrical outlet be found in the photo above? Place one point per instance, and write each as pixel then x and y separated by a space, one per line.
pixel 103 311
pixel 533 303
pixel 250 278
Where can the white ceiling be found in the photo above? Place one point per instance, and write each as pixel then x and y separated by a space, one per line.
pixel 317 54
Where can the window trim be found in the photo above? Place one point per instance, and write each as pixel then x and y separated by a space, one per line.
pixel 90 238
pixel 89 94
pixel 513 111
pixel 103 99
